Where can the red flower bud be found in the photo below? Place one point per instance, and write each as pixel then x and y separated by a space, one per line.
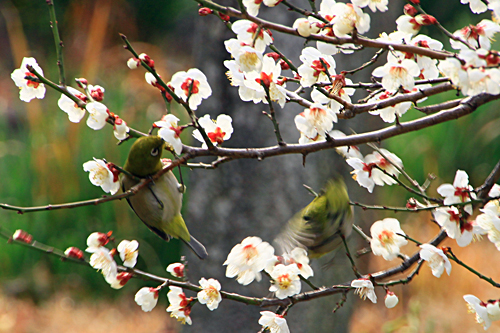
pixel 204 11
pixel 22 236
pixel 224 17
pixel 410 10
pixel 74 252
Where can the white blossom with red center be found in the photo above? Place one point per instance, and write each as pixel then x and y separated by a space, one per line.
pixel 347 17
pixel 286 280
pixel 273 322
pixel 315 67
pixel 317 120
pixel 75 113
pixel 268 78
pixel 102 260
pixel 386 238
pixel 459 192
pixel 299 257
pixel 485 312
pixel 478 36
pixel 210 295
pixel 388 114
pixel 247 58
pixel 192 85
pixel 489 221
pixel 381 5
pixel 364 288
pixel 428 66
pixel 176 269
pixel 96 240
pixel 253 6
pixel 120 129
pixel 397 73
pixel 180 305
pixel 170 132
pixel 28 88
pixel 437 260
pixel 96 92
pixel 129 252
pixel 246 32
pixel 98 114
pixel 367 173
pixel 103 175
pixel 247 259
pixel 147 298
pixel 338 89
pixel 218 130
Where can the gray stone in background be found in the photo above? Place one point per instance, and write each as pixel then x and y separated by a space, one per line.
pixel 256 198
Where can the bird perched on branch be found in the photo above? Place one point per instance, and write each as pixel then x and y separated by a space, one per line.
pixel 159 203
pixel 319 226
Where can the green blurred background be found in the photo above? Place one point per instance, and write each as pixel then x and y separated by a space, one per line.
pixel 41 152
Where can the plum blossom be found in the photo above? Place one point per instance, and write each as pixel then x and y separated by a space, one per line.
pixel 478 36
pixel 268 77
pixel 133 63
pixel 28 89
pixel 286 280
pixel 75 113
pixel 217 131
pixel 120 129
pixel 344 151
pixel 397 73
pixel 381 5
pixel 147 298
pixel 191 85
pixel 120 280
pixel 313 68
pixel 428 68
pixel 459 192
pixel 103 175
pixel 180 305
pixel 275 323
pixel 22 236
pixel 337 89
pixel 98 113
pixel 366 171
pixel 96 92
pixel 489 221
pixel 96 240
pixel 411 25
pixel 102 260
pixel 452 68
pixel 486 312
pixel 246 33
pixel 246 57
pixel 74 252
pixel 299 257
pixel 388 114
pixel 253 6
pixel 476 6
pixel 237 79
pixel 347 17
pixel 437 260
pixel 210 295
pixel 176 269
pixel 364 288
pixel 386 238
pixel 307 26
pixel 247 259
pixel 482 80
pixel 391 300
pixel 128 252
pixel 317 120
pixel 450 219
pixel 170 132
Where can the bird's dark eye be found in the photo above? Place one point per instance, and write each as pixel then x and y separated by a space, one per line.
pixel 155 151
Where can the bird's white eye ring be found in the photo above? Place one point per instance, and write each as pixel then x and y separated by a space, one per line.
pixel 155 151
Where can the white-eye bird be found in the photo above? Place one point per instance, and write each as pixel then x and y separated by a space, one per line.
pixel 159 203
pixel 318 227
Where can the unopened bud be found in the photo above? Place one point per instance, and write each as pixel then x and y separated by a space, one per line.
pixel 22 236
pixel 82 83
pixel 284 65
pixel 410 10
pixel 224 17
pixel 391 300
pixel 204 11
pixel 133 63
pixel 74 252
pixel 147 59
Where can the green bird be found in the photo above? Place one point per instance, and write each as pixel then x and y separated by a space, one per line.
pixel 319 226
pixel 159 204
